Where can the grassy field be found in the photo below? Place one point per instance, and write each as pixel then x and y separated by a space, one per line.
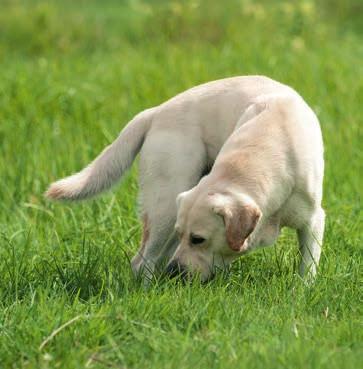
pixel 71 76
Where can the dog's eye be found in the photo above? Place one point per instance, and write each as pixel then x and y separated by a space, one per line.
pixel 196 240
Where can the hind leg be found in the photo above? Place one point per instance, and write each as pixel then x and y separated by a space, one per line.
pixel 166 169
pixel 310 240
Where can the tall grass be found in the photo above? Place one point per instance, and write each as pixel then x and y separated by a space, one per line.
pixel 72 74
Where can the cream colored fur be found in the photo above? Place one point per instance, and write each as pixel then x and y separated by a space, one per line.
pixel 179 141
pixel 268 175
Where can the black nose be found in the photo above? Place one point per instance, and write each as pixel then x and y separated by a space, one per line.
pixel 174 269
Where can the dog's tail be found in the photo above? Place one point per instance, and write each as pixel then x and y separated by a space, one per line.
pixel 108 167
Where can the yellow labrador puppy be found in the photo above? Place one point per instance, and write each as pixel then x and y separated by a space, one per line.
pixel 178 142
pixel 268 175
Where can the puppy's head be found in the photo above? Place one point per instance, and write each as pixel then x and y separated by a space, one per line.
pixel 213 229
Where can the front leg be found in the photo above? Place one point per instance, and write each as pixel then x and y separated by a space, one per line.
pixel 157 245
pixel 310 240
pixel 169 164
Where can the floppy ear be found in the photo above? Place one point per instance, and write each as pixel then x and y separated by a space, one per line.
pixel 240 221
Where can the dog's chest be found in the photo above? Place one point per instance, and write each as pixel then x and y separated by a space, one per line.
pixel 267 233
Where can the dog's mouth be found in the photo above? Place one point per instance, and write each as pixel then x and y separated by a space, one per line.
pixel 176 270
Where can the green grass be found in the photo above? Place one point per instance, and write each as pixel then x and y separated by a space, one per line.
pixel 71 75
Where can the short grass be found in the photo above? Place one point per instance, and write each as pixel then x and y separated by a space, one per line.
pixel 72 73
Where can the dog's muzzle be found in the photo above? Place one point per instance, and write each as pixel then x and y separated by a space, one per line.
pixel 175 269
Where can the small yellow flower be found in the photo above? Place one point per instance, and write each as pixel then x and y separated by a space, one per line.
pixel 288 9
pixel 254 10
pixel 307 8
pixel 142 7
pixel 298 43
pixel 176 8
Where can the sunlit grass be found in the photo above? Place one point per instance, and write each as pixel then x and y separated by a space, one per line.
pixel 72 74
